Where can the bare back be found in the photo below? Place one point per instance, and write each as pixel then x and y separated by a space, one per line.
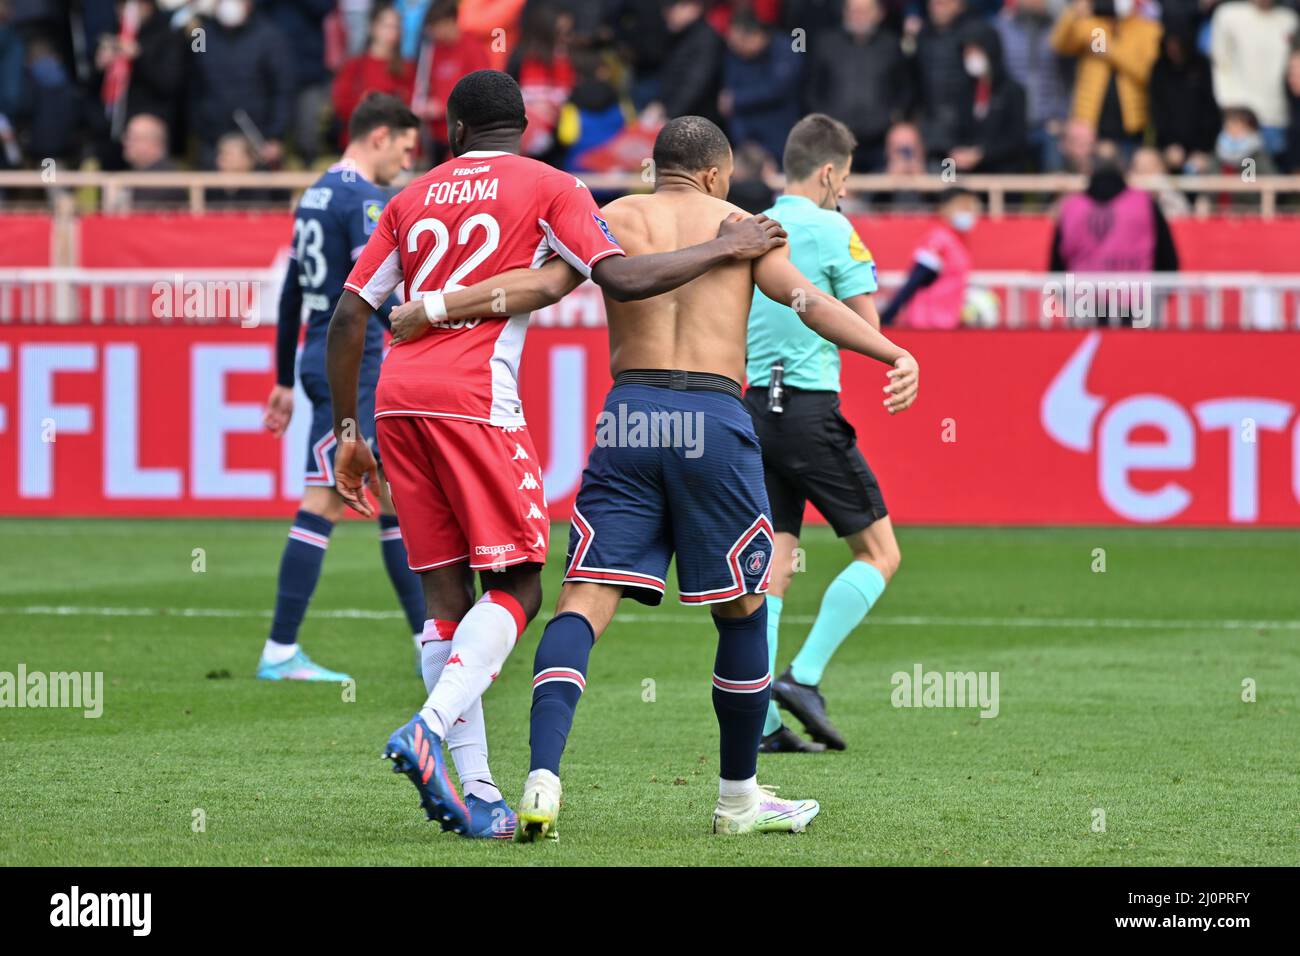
pixel 700 326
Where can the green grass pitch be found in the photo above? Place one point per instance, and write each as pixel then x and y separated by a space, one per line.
pixel 1121 691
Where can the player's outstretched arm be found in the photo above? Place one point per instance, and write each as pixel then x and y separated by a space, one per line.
pixel 779 280
pixel 627 278
pixel 623 278
pixel 511 293
pixel 345 343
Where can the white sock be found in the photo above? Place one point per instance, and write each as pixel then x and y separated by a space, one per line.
pixel 277 653
pixel 485 790
pixel 736 791
pixel 483 641
pixel 418 639
pixel 433 657
pixel 467 739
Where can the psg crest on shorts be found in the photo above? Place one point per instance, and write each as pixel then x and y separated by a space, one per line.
pixel 755 562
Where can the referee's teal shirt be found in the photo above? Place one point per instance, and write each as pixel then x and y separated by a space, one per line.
pixel 825 247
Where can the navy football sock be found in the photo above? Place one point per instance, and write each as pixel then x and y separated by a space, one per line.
pixel 405 581
pixel 559 676
pixel 741 688
pixel 299 571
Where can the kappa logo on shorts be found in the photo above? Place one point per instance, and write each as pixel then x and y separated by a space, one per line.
pixel 490 549
pixel 756 561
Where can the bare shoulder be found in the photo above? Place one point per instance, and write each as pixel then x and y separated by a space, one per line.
pixel 629 218
pixel 631 206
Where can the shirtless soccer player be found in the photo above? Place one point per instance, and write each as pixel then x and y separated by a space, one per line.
pixel 677 360
pixel 458 458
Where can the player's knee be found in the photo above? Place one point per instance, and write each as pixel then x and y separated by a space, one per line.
pixel 743 606
pixel 448 596
pixel 324 502
pixel 521 582
pixel 887 563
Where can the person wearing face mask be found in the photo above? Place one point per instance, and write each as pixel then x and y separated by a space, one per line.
pixel 1241 146
pixel 1250 41
pixel 935 289
pixel 992 134
pixel 244 68
pixel 1116 48
pixel 810 452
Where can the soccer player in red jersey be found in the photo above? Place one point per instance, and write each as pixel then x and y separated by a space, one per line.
pixel 458 457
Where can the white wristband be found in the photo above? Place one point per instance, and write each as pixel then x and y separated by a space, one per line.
pixel 435 307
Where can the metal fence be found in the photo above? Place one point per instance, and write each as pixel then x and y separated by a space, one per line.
pixel 1012 300
pixel 1264 196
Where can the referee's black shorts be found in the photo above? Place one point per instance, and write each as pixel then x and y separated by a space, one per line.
pixel 810 453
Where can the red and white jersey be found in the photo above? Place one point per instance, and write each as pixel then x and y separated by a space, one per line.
pixel 471 218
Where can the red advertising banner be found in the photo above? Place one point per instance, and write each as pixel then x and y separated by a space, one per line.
pixel 1021 242
pixel 1115 427
pixel 26 240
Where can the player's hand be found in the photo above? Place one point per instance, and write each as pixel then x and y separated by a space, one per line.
pixel 751 236
pixel 279 410
pixel 409 321
pixel 354 471
pixel 904 379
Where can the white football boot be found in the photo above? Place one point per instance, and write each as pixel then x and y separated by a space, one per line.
pixel 539 807
pixel 762 811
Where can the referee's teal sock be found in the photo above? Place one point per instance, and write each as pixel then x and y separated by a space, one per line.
pixel 845 603
pixel 774 604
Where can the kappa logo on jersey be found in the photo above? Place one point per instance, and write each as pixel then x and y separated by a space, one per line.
pixel 529 483
pixel 520 454
pixel 372 211
pixel 756 562
pixel 604 227
pixel 534 511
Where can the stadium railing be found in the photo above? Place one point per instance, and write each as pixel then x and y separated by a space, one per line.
pixel 999 299
pixel 112 192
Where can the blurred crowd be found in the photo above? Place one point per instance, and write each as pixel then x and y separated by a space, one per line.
pixel 925 85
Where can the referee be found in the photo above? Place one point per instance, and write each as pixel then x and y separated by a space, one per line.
pixel 809 450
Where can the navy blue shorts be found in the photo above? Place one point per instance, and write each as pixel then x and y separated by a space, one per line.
pixel 673 472
pixel 320 441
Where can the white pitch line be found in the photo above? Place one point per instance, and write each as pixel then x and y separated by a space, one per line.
pixel 880 620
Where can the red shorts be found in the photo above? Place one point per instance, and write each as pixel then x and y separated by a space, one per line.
pixel 464 491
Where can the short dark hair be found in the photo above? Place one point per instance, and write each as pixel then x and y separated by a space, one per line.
pixel 487 99
pixel 689 144
pixel 949 193
pixel 1243 114
pixel 815 140
pixel 380 109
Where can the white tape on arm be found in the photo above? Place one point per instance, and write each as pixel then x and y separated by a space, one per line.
pixel 435 307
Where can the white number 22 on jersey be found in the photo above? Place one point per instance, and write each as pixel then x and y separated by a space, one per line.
pixel 442 242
